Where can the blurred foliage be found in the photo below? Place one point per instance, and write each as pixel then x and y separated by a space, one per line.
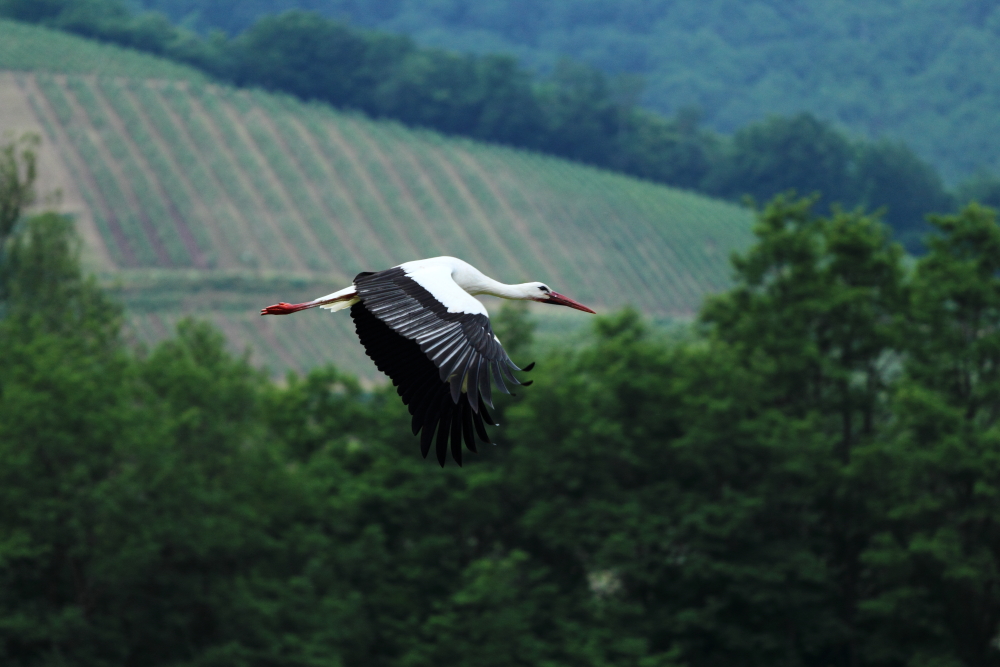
pixel 575 111
pixel 513 325
pixel 18 172
pixel 801 152
pixel 809 477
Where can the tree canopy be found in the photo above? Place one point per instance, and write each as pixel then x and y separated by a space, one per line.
pixel 806 475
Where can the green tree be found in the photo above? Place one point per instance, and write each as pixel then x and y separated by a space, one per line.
pixel 676 151
pixel 18 172
pixel 937 563
pixel 818 298
pixel 812 319
pixel 890 175
pixel 145 517
pixel 307 56
pixel 584 120
pixel 698 500
pixel 65 418
pixel 809 476
pixel 798 153
pixel 507 612
pixel 515 327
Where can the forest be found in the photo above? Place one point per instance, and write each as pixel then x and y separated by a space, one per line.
pixel 881 69
pixel 806 474
pixel 574 111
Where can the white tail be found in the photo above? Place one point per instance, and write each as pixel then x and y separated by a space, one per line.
pixel 345 298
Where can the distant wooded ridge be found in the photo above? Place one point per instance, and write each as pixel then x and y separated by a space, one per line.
pixel 576 113
pixel 926 72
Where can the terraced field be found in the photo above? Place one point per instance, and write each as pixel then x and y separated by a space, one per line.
pixel 205 200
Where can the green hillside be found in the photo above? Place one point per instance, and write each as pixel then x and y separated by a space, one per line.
pixel 205 200
pixel 926 72
pixel 29 48
pixel 577 114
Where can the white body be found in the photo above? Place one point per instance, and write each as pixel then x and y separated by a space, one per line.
pixel 452 282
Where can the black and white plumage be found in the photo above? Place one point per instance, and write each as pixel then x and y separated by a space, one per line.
pixel 423 327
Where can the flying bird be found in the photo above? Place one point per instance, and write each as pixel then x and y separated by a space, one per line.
pixel 423 327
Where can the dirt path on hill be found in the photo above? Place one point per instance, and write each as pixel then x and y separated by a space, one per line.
pixel 17 117
pixel 457 228
pixel 264 165
pixel 224 255
pixel 266 215
pixel 409 199
pixel 399 255
pixel 334 179
pixel 222 198
pixel 76 164
pixel 523 227
pixel 601 252
pixel 196 254
pixel 553 209
pixel 473 204
pixel 311 188
pixel 667 270
pixel 123 182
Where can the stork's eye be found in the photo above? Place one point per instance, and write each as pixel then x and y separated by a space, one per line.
pixel 543 288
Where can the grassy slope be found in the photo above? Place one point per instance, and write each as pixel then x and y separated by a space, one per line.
pixel 213 202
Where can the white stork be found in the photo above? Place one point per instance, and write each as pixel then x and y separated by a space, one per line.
pixel 421 325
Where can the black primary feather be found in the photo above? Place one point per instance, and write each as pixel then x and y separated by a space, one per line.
pixel 445 383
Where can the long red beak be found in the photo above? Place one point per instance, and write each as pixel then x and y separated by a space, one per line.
pixel 557 299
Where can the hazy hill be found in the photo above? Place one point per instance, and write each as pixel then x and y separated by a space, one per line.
pixel 199 199
pixel 923 71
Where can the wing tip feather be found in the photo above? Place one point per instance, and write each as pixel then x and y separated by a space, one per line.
pixel 446 410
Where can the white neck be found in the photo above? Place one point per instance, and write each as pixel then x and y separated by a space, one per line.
pixel 475 282
pixel 522 291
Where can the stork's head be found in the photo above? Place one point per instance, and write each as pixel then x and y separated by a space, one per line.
pixel 541 293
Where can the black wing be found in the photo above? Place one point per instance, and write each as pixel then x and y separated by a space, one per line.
pixel 440 362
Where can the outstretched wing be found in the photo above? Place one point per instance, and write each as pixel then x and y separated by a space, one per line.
pixel 435 342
